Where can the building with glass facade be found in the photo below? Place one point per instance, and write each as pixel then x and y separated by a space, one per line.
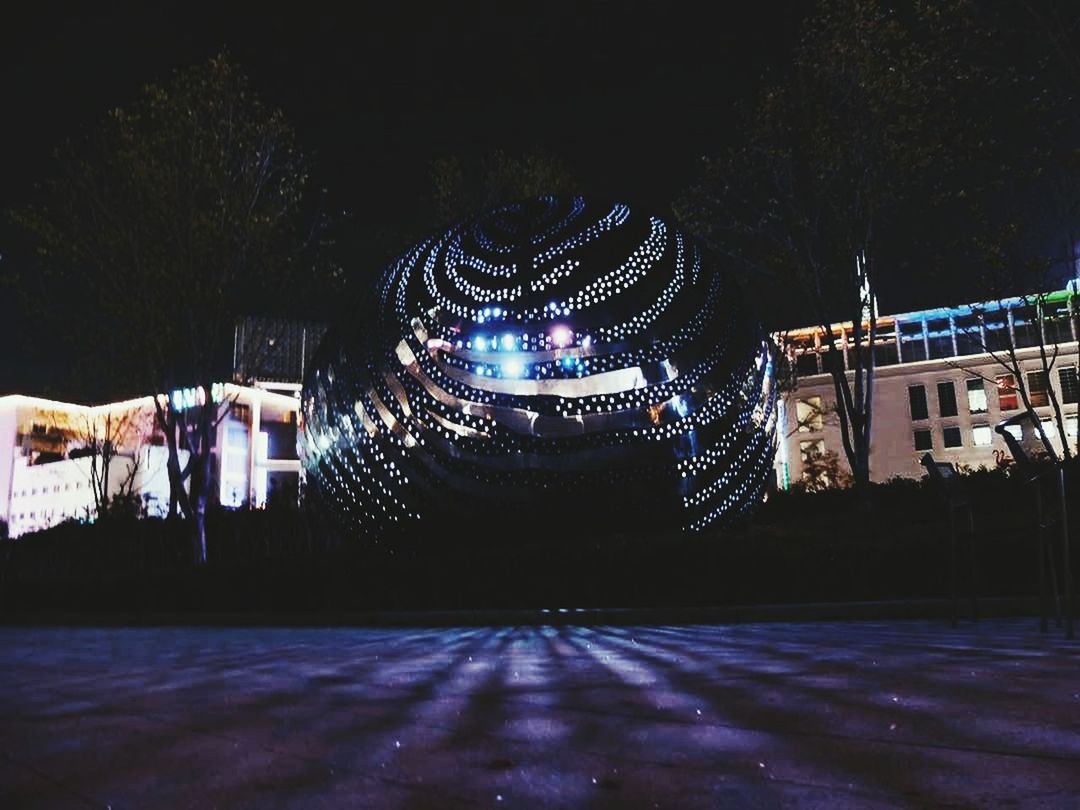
pixel 944 378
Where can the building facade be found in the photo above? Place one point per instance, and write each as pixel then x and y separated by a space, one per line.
pixel 944 379
pixel 50 453
pixel 274 350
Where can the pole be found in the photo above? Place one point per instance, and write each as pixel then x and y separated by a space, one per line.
pixel 952 567
pixel 1044 622
pixel 1067 574
pixel 974 567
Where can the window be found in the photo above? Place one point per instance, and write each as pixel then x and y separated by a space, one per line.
pixel 1057 325
pixel 1049 428
pixel 808 414
pixel 1007 399
pixel 1026 327
pixel 912 346
pixel 814 464
pixel 982 435
pixel 939 338
pixel 917 398
pixel 236 436
pixel 1070 390
pixel 969 335
pixel 976 394
pixel 236 464
pixel 946 395
pixel 832 359
pixel 996 330
pixel 1038 388
pixel 923 440
pixel 1070 426
pixel 814 448
pixel 885 345
pixel 952 437
pixel 1015 431
pixel 885 352
pixel 806 363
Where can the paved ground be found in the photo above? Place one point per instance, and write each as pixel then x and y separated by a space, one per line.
pixel 831 715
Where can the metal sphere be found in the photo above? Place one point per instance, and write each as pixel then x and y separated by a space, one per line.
pixel 554 362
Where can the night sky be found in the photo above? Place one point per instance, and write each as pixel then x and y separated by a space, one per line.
pixel 628 96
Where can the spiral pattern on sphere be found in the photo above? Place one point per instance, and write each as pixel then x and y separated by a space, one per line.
pixel 554 359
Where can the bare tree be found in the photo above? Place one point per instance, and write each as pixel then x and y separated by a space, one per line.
pixel 115 440
pixel 181 210
pixel 829 156
pixel 1042 325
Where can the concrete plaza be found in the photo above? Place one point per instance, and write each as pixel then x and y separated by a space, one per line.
pixel 826 714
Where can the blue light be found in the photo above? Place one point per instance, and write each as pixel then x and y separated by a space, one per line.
pixel 513 368
pixel 480 343
pixel 508 342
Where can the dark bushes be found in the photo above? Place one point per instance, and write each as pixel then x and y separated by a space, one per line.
pixel 828 546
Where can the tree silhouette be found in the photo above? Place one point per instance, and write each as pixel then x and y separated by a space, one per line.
pixel 179 212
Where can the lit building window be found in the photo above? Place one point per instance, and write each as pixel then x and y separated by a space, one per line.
pixel 1049 428
pixel 982 436
pixel 976 393
pixel 1007 398
pixel 812 447
pixel 808 414
pixel 1071 426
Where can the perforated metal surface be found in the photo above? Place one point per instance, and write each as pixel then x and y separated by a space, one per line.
pixel 552 359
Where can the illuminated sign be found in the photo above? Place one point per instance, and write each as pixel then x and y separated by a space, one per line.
pixel 183 399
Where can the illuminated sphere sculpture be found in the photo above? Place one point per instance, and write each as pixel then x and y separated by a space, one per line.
pixel 556 362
